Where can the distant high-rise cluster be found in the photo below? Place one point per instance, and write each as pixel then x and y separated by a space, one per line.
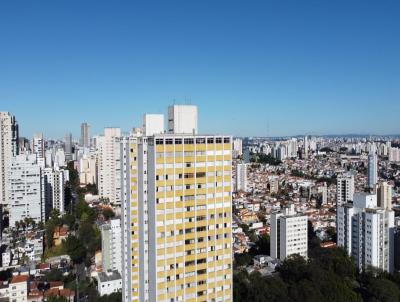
pixel 32 181
pixel 365 220
pixel 170 237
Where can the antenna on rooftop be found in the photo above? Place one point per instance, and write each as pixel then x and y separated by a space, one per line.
pixel 188 100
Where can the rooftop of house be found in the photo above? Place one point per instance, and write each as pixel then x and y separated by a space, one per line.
pixel 19 279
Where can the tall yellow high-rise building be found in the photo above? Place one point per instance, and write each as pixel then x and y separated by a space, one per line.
pixel 180 215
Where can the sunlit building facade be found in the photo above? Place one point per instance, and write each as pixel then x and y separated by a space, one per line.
pixel 180 219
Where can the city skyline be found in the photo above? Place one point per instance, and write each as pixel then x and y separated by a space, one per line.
pixel 270 69
pixel 76 134
pixel 200 151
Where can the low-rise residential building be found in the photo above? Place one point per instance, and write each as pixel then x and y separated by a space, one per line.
pixel 19 288
pixel 109 282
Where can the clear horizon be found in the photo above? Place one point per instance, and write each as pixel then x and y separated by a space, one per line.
pixel 265 69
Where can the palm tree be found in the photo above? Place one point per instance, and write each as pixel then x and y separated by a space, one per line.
pixel 27 221
pixel 23 225
pixel 14 236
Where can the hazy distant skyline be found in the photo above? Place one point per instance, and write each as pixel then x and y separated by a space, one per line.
pixel 260 68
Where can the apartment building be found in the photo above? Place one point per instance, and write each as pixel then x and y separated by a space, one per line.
pixel 289 233
pixel 366 231
pixel 180 222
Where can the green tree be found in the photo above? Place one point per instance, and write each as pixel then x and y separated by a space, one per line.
pixel 243 259
pixel 73 175
pixel 92 189
pixel 108 213
pixel 245 228
pixel 241 287
pixel 264 245
pixel 383 290
pixel 54 275
pixel 75 249
pixel 86 232
pixel 69 220
pixel 49 232
pixel 294 268
pixel 83 209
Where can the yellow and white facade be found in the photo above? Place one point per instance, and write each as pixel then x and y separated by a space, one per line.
pixel 180 218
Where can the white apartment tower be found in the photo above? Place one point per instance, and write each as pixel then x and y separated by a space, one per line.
pixel 241 177
pixel 88 169
pixel 8 149
pixel 384 195
pixel 38 145
pixel 54 184
pixel 25 189
pixel 182 119
pixel 59 158
pixel 237 147
pixel 292 148
pixel 109 169
pixel 111 245
pixel 289 233
pixel 372 169
pixel 365 232
pixel 49 158
pixel 58 190
pixel 344 189
pixel 306 146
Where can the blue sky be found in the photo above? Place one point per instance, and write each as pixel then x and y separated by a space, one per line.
pixel 252 67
